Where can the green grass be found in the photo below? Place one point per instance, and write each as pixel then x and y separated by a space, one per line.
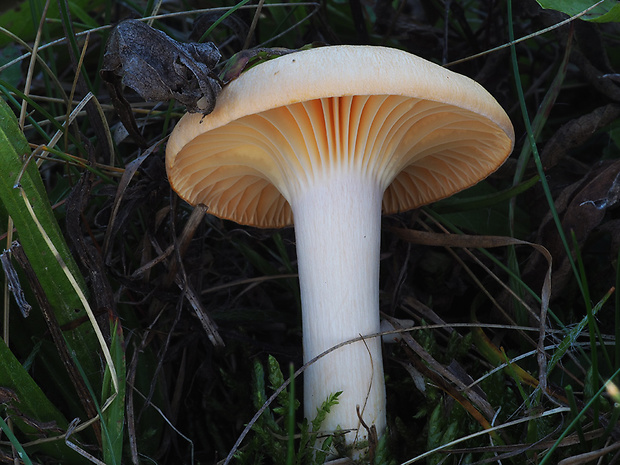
pixel 113 364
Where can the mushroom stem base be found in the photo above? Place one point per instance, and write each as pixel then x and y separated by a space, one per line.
pixel 337 229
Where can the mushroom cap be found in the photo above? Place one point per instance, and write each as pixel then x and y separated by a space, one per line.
pixel 420 130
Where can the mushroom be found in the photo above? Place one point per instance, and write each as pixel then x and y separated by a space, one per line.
pixel 332 137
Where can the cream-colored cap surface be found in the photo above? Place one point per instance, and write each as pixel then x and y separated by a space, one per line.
pixel 420 130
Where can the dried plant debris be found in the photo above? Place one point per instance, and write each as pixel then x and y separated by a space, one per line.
pixel 13 283
pixel 582 207
pixel 577 132
pixel 159 68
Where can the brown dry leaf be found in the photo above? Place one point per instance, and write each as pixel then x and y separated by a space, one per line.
pixel 582 207
pixel 587 208
pixel 159 68
pixel 576 132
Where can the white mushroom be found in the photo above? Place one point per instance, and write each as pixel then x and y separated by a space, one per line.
pixel 333 137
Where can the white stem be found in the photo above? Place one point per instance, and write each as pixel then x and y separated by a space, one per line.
pixel 337 229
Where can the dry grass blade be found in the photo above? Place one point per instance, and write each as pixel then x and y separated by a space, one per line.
pixel 22 115
pixel 511 450
pixel 248 39
pixel 70 431
pixel 203 316
pixel 41 150
pixel 466 241
pixel 509 424
pixel 589 456
pixel 243 282
pixel 128 175
pixel 183 241
pixel 478 400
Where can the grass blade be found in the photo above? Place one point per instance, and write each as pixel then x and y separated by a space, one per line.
pixel 59 292
pixel 31 411
pixel 114 416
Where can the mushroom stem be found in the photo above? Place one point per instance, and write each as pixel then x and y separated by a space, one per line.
pixel 337 229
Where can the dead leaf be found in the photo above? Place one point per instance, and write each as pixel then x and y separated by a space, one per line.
pixel 159 68
pixel 576 132
pixel 582 208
